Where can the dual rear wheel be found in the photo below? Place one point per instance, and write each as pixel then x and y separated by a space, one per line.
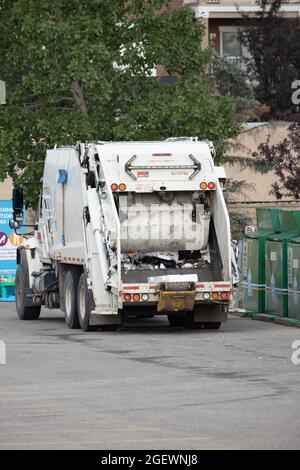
pixel 78 301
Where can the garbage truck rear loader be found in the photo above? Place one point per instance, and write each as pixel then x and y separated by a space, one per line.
pixel 128 229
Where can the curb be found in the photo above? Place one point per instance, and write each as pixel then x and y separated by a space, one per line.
pixel 264 317
pixel 268 318
pixel 287 322
pixel 241 314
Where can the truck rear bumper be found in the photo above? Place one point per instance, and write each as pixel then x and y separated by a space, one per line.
pixel 206 293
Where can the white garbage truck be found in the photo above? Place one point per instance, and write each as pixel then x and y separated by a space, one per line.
pixel 128 229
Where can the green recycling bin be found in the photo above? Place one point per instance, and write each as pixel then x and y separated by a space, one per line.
pixel 293 273
pixel 276 263
pixel 253 260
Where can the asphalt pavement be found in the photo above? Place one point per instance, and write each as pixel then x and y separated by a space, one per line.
pixel 148 386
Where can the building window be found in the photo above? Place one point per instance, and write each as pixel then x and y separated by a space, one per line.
pixel 231 47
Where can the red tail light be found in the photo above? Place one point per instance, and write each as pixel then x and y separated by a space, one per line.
pixel 114 187
pixel 224 295
pixel 211 185
pixel 127 297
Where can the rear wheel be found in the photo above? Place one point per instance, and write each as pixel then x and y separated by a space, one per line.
pixel 176 320
pixel 70 299
pixel 212 325
pixel 85 302
pixel 31 312
pixel 198 325
pixel 190 324
pixel 194 325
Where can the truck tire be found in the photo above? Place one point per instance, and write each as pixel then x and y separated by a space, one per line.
pixel 208 317
pixel 212 325
pixel 85 302
pixel 193 325
pixel 70 299
pixel 176 321
pixel 31 312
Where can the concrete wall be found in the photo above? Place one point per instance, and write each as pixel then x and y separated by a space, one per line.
pixel 259 193
pixel 6 189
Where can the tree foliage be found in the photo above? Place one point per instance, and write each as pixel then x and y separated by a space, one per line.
pixel 78 71
pixel 230 80
pixel 273 42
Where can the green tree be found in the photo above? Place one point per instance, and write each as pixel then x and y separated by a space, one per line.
pixel 274 47
pixel 230 80
pixel 78 71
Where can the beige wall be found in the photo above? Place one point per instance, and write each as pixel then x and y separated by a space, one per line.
pixel 6 193
pixel 6 189
pixel 259 192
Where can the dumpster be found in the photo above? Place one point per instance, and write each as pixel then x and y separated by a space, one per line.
pixel 253 260
pixel 293 273
pixel 7 288
pixel 276 263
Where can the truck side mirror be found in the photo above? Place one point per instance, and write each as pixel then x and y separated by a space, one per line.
pixel 17 203
pixel 17 199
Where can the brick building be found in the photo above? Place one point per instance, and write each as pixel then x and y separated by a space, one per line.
pixel 221 18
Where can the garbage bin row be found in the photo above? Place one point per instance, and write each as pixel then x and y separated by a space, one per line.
pixel 270 274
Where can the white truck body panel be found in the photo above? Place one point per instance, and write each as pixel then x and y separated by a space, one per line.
pixel 62 215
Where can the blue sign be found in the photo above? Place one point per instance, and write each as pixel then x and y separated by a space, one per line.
pixel 9 242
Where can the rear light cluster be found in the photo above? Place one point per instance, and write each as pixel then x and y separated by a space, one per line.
pixel 206 296
pixel 122 186
pixel 135 297
pixel 211 185
pixel 216 296
pixel 118 187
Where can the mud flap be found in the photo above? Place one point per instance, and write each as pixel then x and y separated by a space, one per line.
pixel 210 313
pixel 103 320
pixel 176 301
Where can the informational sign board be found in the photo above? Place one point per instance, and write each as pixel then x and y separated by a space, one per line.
pixel 250 229
pixel 9 242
